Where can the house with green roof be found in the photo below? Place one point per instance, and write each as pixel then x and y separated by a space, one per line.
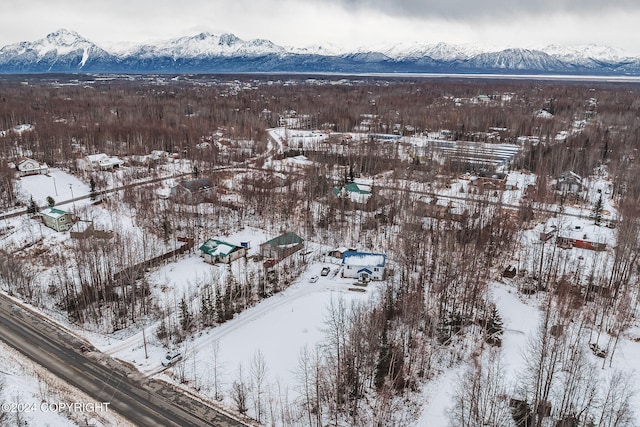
pixel 57 219
pixel 356 191
pixel 282 246
pixel 214 251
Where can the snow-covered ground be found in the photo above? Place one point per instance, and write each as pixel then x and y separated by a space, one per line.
pixel 29 395
pixel 57 184
pixel 521 317
pixel 276 330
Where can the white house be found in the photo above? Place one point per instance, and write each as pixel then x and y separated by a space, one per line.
pixel 358 191
pixel 103 162
pixel 569 182
pixel 364 266
pixel 159 154
pixel 26 166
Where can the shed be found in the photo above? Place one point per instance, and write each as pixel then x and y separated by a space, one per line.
pixel 281 246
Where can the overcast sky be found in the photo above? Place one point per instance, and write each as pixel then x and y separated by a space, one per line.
pixel 347 23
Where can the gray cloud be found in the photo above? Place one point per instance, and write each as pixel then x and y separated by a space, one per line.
pixel 465 10
pixel 346 23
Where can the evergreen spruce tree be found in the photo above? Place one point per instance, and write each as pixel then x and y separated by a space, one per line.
pixel 207 310
pixel 162 332
pixel 166 228
pixel 33 207
pixel 384 360
pixel 185 316
pixel 262 290
pixel 598 208
pixel 50 201
pixel 494 328
pixel 92 190
pixel 227 303
pixel 219 305
pixel 204 309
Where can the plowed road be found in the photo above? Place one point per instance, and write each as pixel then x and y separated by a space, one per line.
pixel 144 402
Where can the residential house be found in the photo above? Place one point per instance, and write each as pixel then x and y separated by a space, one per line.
pixel 590 237
pixel 440 209
pixel 547 234
pixel 363 266
pixel 339 252
pixel 355 191
pixel 159 154
pixel 214 251
pixel 569 182
pixel 27 166
pixel 497 181
pixel 511 183
pixel 192 191
pixel 57 219
pixel 155 157
pixel 282 246
pixel 138 159
pixel 103 162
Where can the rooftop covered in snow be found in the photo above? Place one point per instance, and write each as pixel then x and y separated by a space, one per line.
pixel 364 259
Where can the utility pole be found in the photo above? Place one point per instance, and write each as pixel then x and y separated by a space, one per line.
pixel 72 199
pixel 144 338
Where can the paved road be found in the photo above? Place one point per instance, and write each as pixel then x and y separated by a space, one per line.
pixel 144 402
pixel 99 193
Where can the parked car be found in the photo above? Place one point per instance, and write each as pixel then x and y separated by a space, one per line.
pixel 313 279
pixel 170 359
pixel 325 271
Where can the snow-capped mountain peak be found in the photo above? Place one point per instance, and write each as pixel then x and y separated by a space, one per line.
pixel 59 46
pixel 438 51
pixel 207 45
pixel 64 37
pixel 592 51
pixel 67 51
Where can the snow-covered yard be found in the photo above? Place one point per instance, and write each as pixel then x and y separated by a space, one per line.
pixel 57 184
pixel 274 331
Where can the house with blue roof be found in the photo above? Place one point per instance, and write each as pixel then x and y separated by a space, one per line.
pixel 363 266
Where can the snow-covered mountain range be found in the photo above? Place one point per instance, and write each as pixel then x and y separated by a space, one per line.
pixel 66 51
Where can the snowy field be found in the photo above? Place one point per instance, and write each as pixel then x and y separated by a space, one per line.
pixel 276 330
pixel 57 184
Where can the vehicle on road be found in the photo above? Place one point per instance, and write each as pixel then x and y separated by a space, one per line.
pixel 325 271
pixel 313 279
pixel 170 359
